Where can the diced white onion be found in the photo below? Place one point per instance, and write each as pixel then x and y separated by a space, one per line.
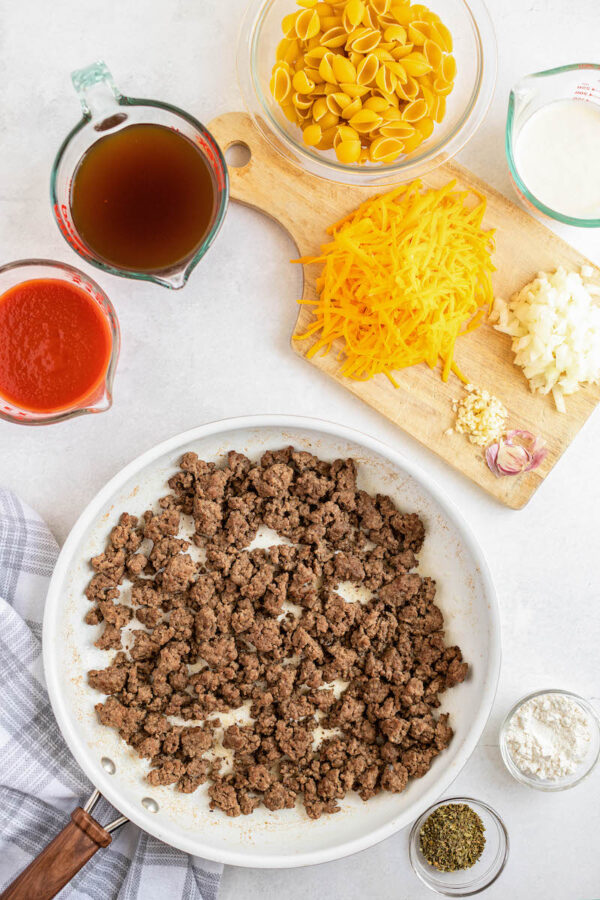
pixel 555 326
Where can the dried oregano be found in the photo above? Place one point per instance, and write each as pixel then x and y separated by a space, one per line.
pixel 452 837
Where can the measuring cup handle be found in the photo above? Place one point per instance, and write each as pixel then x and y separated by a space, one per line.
pixel 98 94
pixel 60 860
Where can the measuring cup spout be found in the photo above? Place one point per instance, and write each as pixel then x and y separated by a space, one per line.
pixel 99 96
pixel 175 280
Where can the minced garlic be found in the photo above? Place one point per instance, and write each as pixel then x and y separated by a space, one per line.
pixel 480 416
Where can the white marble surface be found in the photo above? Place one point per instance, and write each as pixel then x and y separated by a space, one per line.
pixel 220 348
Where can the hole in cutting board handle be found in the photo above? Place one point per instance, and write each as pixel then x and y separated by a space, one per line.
pixel 238 155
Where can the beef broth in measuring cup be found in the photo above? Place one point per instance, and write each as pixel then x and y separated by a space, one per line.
pixel 143 198
pixel 139 188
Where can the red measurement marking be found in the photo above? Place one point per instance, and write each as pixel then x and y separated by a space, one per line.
pixel 62 217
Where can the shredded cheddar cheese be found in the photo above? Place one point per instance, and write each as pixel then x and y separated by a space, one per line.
pixel 403 277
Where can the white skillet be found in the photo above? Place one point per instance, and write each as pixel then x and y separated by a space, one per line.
pixel 287 838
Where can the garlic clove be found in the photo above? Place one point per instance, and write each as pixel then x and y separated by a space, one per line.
pixel 517 451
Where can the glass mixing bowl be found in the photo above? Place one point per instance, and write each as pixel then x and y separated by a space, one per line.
pixel 476 57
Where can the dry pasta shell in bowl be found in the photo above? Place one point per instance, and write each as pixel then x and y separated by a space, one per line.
pixel 412 80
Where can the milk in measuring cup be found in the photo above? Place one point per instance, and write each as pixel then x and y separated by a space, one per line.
pixel 557 156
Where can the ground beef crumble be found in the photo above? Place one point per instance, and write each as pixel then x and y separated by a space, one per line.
pixel 267 628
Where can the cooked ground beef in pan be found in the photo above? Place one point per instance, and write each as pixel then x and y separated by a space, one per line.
pixel 333 695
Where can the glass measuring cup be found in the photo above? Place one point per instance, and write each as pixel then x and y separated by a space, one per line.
pixel 105 111
pixel 579 81
pixel 100 397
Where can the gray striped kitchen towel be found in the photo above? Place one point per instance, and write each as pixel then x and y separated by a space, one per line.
pixel 40 782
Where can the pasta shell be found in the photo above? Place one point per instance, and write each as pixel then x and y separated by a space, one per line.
pixel 343 69
pixel 348 151
pixel 433 53
pixel 385 149
pixel 382 54
pixel 327 139
pixel 413 142
pixel 288 24
pixel 367 69
pixel 282 48
pixel 329 120
pixel 400 130
pixel 448 70
pixel 290 112
pixel 386 80
pixel 425 126
pixel 376 104
pixel 353 14
pixel 446 37
pixel 308 24
pixel 402 50
pixel 304 115
pixel 281 85
pixel 391 99
pixel 369 18
pixel 403 14
pixel 442 87
pixel 440 110
pixel 409 90
pixel 319 109
pixel 398 70
pixel 381 7
pixel 418 32
pixel 325 69
pixel 312 134
pixel 416 64
pixel 367 41
pixel 365 120
pixel 337 103
pixel 345 133
pixel 302 83
pixel 315 55
pixel 392 114
pixel 429 98
pixel 334 37
pixel 328 22
pixel 314 76
pixel 354 90
pixel 414 111
pixel 293 51
pixel 395 33
pixel 300 101
pixel 352 108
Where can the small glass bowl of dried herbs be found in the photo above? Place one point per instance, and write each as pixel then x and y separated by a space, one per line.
pixel 458 847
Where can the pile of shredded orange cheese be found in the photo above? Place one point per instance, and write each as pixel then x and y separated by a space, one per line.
pixel 403 277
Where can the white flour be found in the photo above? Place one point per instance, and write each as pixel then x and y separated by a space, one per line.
pixel 549 736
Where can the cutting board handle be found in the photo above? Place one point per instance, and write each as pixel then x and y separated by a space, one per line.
pixel 267 180
pixel 276 187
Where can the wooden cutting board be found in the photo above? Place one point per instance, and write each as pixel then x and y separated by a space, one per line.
pixel 305 205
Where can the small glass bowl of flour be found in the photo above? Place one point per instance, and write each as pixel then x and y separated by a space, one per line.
pixel 550 740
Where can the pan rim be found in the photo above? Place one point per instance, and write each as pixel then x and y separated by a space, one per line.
pixel 103 781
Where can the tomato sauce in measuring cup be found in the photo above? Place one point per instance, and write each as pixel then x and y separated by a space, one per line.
pixel 58 347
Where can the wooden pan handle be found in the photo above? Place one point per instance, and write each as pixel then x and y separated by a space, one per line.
pixel 60 860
